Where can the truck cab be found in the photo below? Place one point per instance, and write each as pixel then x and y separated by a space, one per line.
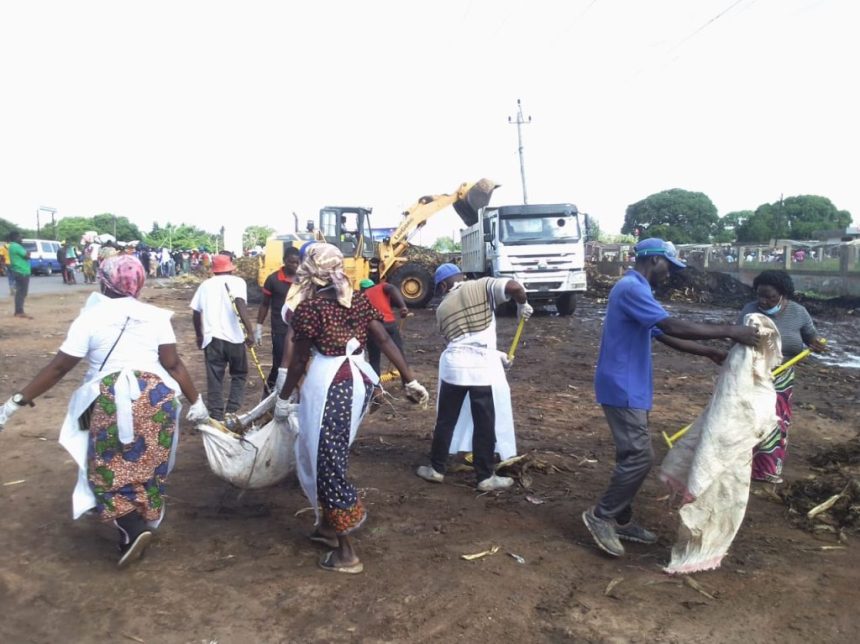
pixel 540 246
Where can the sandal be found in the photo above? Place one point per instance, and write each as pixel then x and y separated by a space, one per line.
pixel 330 542
pixel 349 569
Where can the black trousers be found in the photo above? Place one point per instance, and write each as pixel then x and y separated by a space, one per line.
pixel 374 353
pixel 220 355
pixel 22 286
pixel 279 341
pixel 451 399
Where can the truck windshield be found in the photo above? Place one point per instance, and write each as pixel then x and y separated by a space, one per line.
pixel 552 229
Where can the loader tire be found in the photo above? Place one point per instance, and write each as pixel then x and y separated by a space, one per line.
pixel 415 283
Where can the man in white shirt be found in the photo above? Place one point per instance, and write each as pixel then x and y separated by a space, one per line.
pixel 221 336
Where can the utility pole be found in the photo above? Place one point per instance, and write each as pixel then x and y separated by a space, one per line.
pixel 519 123
pixel 39 210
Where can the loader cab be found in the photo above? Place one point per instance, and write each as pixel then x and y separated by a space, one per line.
pixel 349 229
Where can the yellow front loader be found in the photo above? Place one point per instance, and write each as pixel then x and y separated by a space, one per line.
pixel 388 260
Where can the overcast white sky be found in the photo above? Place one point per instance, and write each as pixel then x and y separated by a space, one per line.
pixel 236 113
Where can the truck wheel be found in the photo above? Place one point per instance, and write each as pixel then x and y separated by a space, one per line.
pixel 566 303
pixel 47 270
pixel 415 283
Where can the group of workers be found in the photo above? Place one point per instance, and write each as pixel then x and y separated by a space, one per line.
pixel 122 422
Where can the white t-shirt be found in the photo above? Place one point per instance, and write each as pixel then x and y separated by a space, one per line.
pixel 98 326
pixel 218 317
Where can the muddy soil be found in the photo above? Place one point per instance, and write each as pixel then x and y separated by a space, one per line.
pixel 232 567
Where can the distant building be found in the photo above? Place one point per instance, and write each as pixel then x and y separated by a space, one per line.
pixel 838 235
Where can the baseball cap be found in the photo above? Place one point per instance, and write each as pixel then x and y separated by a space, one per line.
pixel 444 272
pixel 365 283
pixel 656 246
pixel 222 264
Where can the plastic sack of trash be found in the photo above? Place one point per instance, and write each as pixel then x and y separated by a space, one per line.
pixel 710 467
pixel 261 456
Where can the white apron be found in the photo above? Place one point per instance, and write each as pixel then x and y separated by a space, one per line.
pixel 314 390
pixel 76 440
pixel 493 372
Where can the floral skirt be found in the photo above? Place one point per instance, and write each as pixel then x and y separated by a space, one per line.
pixel 130 478
pixel 341 507
pixel 769 455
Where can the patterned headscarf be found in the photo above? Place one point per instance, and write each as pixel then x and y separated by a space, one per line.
pixel 322 267
pixel 122 274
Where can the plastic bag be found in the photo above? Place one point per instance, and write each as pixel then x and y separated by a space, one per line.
pixel 263 456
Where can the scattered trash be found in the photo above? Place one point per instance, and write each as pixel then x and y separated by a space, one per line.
pixel 531 498
pixel 479 555
pixel 695 585
pixel 826 503
pixel 611 586
pixel 303 510
pixel 14 482
pixel 133 638
pixel 517 558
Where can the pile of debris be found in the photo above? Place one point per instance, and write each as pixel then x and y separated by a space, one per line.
pixel 701 287
pixel 828 502
pixel 689 285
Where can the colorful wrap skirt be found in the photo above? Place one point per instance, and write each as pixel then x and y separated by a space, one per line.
pixel 130 478
pixel 769 455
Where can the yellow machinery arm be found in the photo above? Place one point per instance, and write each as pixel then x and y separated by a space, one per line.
pixel 467 201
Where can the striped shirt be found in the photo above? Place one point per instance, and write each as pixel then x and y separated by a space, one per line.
pixel 468 309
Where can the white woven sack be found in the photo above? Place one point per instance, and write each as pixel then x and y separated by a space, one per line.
pixel 263 456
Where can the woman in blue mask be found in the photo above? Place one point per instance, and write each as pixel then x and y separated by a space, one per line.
pixel 774 290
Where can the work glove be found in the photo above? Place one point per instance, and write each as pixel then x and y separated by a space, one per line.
pixel 258 334
pixel 198 413
pixel 282 378
pixel 524 311
pixel 416 392
pixel 283 409
pixel 6 412
pixel 506 361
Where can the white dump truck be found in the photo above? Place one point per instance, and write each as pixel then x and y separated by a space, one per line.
pixel 540 246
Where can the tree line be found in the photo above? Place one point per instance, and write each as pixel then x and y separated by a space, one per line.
pixel 687 217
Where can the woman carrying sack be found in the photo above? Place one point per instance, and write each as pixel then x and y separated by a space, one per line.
pixel 122 423
pixel 332 322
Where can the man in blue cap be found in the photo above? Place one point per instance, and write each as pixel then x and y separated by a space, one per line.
pixel 471 368
pixel 623 383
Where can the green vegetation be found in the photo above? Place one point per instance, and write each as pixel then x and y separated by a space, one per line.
pixel 678 215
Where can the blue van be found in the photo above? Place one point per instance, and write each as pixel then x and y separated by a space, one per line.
pixel 43 255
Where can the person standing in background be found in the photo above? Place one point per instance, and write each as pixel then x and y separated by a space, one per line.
pixel 275 290
pixel 220 335
pixel 382 296
pixel 19 270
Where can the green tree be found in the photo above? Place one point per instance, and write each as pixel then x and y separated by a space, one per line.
pixel 182 236
pixel 71 228
pixel 125 230
pixel 676 215
pixel 726 230
pixel 797 217
pixel 256 236
pixel 7 227
pixel 446 245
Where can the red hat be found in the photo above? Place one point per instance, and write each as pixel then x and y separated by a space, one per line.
pixel 222 264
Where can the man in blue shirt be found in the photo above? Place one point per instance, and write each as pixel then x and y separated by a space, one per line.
pixel 624 387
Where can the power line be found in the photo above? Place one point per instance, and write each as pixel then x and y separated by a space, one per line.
pixel 707 24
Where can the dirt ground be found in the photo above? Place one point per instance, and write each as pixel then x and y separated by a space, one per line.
pixel 231 567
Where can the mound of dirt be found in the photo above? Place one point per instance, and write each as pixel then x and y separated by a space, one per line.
pixel 826 503
pixel 847 453
pixel 834 306
pixel 690 285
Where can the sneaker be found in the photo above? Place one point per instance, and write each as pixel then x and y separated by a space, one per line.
pixel 635 532
pixel 495 483
pixel 427 473
pixel 604 534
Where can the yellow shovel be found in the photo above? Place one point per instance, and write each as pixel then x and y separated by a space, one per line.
pixel 671 440
pixel 516 341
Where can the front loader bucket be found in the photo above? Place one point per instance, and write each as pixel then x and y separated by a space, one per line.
pixel 476 197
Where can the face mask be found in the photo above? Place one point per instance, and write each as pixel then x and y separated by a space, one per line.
pixel 772 311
